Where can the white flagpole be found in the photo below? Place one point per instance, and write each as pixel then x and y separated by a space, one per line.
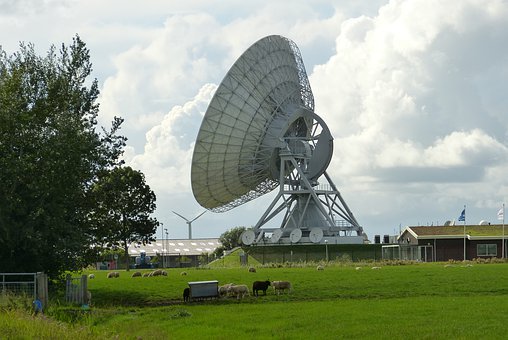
pixel 464 232
pixel 502 247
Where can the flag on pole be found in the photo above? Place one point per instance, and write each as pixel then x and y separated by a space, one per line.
pixel 462 216
pixel 500 214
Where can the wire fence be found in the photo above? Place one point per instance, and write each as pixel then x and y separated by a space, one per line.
pixel 31 285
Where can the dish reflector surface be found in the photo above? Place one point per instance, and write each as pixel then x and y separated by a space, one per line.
pixel 237 145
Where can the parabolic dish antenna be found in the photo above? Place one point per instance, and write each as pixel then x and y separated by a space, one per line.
pixel 316 235
pixel 276 235
pixel 248 237
pixel 260 132
pixel 295 235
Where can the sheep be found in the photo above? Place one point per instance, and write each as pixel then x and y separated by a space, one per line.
pixel 157 272
pixel 91 276
pixel 260 285
pixel 252 270
pixel 223 290
pixel 183 273
pixel 240 291
pixel 186 294
pixel 320 268
pixel 147 274
pixel 164 273
pixel 279 286
pixel 376 267
pixel 136 274
pixel 358 268
pixel 113 275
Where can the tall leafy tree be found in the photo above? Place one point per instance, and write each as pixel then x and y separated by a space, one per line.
pixel 231 238
pixel 51 151
pixel 124 205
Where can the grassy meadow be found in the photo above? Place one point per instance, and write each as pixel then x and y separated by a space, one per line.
pixel 424 301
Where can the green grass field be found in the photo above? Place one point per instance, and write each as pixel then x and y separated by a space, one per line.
pixel 424 301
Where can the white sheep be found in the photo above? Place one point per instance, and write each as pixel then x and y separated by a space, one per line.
pixel 376 267
pixel 91 276
pixel 136 274
pixel 223 290
pixel 113 275
pixel 358 268
pixel 157 272
pixel 279 286
pixel 320 267
pixel 240 291
pixel 252 270
pixel 183 273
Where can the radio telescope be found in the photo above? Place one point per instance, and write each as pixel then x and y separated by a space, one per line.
pixel 260 132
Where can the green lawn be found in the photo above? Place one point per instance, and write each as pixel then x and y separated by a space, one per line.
pixel 425 301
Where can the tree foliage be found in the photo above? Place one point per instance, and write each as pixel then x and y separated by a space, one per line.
pixel 231 238
pixel 124 203
pixel 50 154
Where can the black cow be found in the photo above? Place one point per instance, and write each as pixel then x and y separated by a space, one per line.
pixel 260 285
pixel 186 294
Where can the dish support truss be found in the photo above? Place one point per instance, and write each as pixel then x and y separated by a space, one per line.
pixel 309 208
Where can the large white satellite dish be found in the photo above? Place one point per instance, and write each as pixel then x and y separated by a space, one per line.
pixel 260 132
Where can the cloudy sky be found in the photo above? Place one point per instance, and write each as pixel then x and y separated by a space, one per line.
pixel 414 92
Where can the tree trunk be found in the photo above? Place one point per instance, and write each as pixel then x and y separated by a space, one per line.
pixel 126 254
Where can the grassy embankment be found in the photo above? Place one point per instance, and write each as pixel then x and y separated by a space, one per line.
pixel 416 301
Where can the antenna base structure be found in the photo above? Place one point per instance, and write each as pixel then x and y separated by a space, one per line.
pixel 260 132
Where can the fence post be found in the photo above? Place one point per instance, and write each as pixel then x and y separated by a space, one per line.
pixel 68 288
pixel 84 290
pixel 42 288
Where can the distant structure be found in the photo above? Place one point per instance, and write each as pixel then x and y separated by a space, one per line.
pixel 189 222
pixel 448 242
pixel 260 132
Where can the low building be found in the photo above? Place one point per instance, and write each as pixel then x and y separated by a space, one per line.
pixel 174 253
pixel 443 243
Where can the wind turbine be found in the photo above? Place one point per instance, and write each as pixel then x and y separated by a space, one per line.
pixel 189 223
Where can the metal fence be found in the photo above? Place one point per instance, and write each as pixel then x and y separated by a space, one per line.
pixel 31 285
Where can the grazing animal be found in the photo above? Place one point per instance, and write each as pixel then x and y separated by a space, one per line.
pixel 113 275
pixel 358 268
pixel 260 285
pixel 183 273
pixel 223 290
pixel 252 270
pixel 240 291
pixel 186 294
pixel 91 276
pixel 147 274
pixel 376 267
pixel 279 286
pixel 320 267
pixel 164 273
pixel 136 274
pixel 157 272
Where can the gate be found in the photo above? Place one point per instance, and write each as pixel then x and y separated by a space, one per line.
pixel 76 290
pixel 31 285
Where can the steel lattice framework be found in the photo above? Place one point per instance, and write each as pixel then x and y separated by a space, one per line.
pixel 260 132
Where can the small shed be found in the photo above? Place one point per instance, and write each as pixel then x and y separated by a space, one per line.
pixel 204 289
